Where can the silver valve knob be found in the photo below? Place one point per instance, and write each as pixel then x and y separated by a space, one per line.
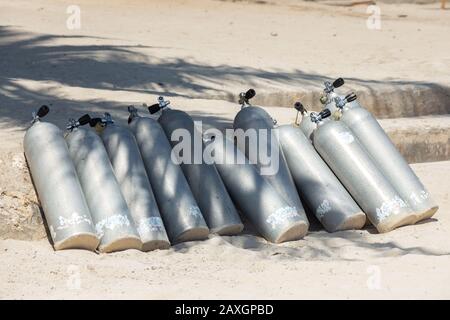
pixel 157 106
pixel 316 117
pixel 40 113
pixel 340 103
pixel 101 121
pixel 244 97
pixel 329 87
pixel 73 123
pixel 133 113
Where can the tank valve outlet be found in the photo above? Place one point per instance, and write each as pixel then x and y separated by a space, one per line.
pixel 244 97
pixel 133 113
pixel 154 108
pixel 329 87
pixel 300 109
pixel 40 113
pixel 73 124
pixel 316 117
pixel 340 103
pixel 100 123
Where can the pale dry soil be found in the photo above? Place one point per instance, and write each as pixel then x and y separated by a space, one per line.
pixel 410 262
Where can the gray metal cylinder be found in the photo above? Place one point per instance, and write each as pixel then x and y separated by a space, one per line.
pixel 273 217
pixel 129 170
pixel 255 118
pixel 182 216
pixel 321 190
pixel 58 188
pixel 350 162
pixel 389 160
pixel 204 180
pixel 113 222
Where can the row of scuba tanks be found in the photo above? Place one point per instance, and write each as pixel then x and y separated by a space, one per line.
pixel 113 187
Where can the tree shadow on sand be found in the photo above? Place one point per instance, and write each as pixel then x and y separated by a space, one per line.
pixel 133 69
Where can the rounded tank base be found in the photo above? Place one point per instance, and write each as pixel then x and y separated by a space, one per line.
pixel 396 221
pixel 354 222
pixel 229 230
pixel 86 241
pixel 425 215
pixel 295 232
pixel 155 245
pixel 193 234
pixel 121 244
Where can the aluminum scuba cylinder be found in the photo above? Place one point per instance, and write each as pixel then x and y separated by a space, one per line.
pixel 113 223
pixel 129 170
pixel 322 192
pixel 179 210
pixel 387 158
pixel 351 164
pixel 255 120
pixel 58 187
pixel 273 217
pixel 205 182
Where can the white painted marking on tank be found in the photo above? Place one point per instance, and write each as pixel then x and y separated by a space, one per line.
pixel 195 212
pixel 111 223
pixel 390 207
pixel 281 216
pixel 151 224
pixel 324 207
pixel 74 219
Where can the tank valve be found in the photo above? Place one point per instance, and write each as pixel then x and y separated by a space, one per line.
pixel 154 108
pixel 244 97
pixel 72 124
pixel 316 117
pixel 340 103
pixel 329 87
pixel 300 109
pixel 133 113
pixel 40 113
pixel 100 123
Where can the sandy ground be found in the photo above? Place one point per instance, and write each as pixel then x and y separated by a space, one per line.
pixel 410 262
pixel 201 54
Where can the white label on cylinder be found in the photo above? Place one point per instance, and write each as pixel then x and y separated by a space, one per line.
pixel 346 137
pixel 74 219
pixel 195 212
pixel 324 207
pixel 423 195
pixel 151 224
pixel 282 215
pixel 390 207
pixel 110 223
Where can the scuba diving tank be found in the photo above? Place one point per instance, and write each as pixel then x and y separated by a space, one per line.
pixel 272 216
pixel 113 223
pixel 321 190
pixel 252 121
pixel 129 170
pixel 388 159
pixel 351 164
pixel 57 185
pixel 179 210
pixel 207 187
